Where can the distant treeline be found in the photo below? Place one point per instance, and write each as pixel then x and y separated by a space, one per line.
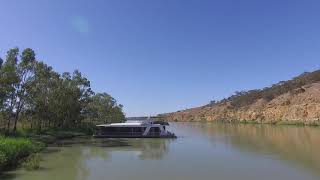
pixel 245 98
pixel 33 95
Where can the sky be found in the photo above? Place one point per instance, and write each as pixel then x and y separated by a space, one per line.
pixel 157 56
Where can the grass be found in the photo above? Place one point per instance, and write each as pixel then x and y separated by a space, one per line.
pixel 32 162
pixel 21 147
pixel 14 150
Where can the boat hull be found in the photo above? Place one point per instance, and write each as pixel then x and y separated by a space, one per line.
pixel 134 136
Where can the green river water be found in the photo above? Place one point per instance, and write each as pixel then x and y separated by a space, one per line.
pixel 202 151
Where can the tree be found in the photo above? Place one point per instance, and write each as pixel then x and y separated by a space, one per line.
pixel 31 92
pixel 42 95
pixel 25 72
pixel 104 109
pixel 2 93
pixel 8 81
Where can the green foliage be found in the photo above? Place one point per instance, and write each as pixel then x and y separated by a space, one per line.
pixel 1 62
pixel 103 108
pixel 32 93
pixel 14 149
pixel 32 162
pixel 3 160
pixel 86 128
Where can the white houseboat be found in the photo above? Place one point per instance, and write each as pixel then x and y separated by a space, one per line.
pixel 134 129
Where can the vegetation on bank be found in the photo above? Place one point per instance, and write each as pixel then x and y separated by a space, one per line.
pixel 32 162
pixel 14 150
pixel 38 104
pixel 22 147
pixel 34 96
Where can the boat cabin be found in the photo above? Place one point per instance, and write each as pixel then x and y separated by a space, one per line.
pixel 134 129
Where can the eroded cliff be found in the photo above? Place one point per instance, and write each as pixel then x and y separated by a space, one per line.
pixel 291 102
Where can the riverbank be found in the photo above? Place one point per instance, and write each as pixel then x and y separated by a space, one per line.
pixel 315 123
pixel 252 121
pixel 295 101
pixel 15 150
pixel 22 147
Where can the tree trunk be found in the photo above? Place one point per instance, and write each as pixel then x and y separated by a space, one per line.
pixel 8 124
pixel 16 120
pixel 16 117
pixel 40 124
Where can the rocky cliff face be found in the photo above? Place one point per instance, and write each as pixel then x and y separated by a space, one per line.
pixel 297 106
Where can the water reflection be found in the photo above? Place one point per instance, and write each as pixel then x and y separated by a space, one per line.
pixel 292 144
pixel 143 148
pixel 72 159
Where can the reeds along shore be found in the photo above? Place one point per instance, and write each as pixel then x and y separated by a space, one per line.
pixel 14 150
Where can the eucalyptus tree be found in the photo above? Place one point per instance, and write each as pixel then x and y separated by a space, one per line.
pixel 8 81
pixel 25 72
pixel 103 108
pixel 2 94
pixel 15 76
pixel 41 95
pixel 76 93
pixel 32 91
pixel 56 100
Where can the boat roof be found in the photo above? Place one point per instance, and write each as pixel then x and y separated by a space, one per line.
pixel 122 124
pixel 132 124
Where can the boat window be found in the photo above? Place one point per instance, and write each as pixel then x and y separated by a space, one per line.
pixel 138 129
pixel 118 129
pixel 125 129
pixel 154 129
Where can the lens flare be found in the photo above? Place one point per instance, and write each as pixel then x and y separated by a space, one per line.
pixel 80 24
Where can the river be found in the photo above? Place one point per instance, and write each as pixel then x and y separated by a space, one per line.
pixel 202 151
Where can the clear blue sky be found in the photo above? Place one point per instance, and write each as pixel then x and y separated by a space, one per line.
pixel 159 56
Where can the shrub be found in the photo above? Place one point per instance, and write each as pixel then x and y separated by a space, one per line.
pixel 3 160
pixel 14 149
